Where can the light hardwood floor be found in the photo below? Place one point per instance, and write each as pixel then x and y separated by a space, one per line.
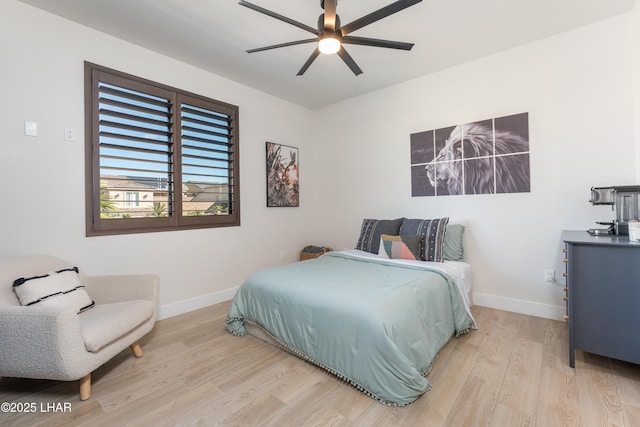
pixel 512 371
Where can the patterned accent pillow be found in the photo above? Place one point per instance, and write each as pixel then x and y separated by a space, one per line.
pixel 453 249
pixel 60 288
pixel 371 231
pixel 433 231
pixel 400 247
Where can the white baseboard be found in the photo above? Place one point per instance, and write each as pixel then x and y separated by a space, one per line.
pixel 185 306
pixel 537 309
pixel 529 308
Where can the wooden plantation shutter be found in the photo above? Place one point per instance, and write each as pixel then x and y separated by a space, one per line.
pixel 157 158
pixel 207 159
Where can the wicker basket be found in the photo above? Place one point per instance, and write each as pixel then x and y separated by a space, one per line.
pixel 306 253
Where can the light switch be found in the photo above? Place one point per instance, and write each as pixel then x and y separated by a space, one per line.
pixel 69 134
pixel 31 128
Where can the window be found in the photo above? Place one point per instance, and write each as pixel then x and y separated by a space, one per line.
pixel 157 158
pixel 133 199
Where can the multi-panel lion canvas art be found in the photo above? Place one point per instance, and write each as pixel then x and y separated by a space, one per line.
pixel 484 157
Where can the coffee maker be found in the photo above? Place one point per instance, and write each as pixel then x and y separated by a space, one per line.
pixel 625 200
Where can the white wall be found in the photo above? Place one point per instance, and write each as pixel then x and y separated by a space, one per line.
pixel 576 88
pixel 43 177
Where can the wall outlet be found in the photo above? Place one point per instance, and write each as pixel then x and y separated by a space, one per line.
pixel 549 275
pixel 31 128
pixel 281 253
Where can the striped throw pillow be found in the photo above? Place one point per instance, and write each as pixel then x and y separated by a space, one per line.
pixel 433 231
pixel 61 288
pixel 372 229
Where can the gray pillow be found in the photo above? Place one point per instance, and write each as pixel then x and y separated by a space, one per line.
pixel 433 231
pixel 371 231
pixel 453 249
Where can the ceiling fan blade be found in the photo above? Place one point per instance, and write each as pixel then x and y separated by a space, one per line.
pixel 349 61
pixel 330 14
pixel 366 41
pixel 377 15
pixel 278 16
pixel 307 64
pixel 275 46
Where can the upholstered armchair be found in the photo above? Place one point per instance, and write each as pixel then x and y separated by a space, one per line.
pixel 47 340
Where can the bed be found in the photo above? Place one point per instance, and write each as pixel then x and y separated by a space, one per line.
pixel 376 322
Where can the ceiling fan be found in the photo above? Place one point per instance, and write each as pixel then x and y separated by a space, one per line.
pixel 331 35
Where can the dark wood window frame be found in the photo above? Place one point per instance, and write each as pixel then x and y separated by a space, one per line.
pixel 182 119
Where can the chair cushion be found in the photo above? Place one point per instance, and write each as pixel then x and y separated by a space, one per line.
pixel 105 323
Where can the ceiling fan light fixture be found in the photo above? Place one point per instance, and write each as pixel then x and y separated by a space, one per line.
pixel 329 45
pixel 331 34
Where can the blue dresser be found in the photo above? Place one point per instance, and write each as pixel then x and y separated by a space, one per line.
pixel 602 295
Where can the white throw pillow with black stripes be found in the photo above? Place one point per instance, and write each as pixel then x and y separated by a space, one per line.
pixel 61 288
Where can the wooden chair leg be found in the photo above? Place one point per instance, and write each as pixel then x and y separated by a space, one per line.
pixel 137 351
pixel 85 387
pixel 85 382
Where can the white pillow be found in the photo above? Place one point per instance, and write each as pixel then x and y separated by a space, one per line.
pixel 61 288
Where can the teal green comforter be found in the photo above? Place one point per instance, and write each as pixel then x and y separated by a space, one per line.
pixel 373 323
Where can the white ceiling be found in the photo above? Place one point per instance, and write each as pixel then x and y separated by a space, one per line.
pixel 214 34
